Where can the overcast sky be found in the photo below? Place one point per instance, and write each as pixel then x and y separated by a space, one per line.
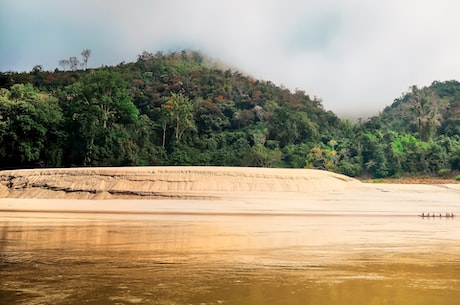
pixel 356 55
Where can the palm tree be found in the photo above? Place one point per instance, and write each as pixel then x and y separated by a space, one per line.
pixel 424 107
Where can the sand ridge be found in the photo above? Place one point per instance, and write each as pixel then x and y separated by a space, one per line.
pixel 164 182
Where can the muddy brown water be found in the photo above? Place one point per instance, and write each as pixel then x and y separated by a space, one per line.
pixel 71 258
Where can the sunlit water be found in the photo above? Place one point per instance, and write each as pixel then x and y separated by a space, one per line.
pixel 217 259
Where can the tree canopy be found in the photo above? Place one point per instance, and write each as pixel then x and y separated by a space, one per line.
pixel 179 109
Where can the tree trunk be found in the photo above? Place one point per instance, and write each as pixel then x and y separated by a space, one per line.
pixel 164 134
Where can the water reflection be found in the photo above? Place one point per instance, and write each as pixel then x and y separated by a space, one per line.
pixel 199 259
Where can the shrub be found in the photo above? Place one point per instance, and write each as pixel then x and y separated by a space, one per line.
pixel 457 177
pixel 444 172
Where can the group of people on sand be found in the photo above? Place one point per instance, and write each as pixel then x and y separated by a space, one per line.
pixel 449 215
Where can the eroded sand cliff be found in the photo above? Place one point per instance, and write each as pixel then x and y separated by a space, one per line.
pixel 163 182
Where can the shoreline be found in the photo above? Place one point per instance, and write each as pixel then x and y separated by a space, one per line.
pixel 367 200
pixel 411 180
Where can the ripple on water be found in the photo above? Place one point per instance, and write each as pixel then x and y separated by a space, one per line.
pixel 231 260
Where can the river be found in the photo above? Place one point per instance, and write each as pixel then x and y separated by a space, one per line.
pixel 260 259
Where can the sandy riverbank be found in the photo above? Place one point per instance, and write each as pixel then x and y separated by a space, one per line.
pixel 163 182
pixel 215 190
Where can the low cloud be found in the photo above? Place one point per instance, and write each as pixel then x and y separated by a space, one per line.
pixel 356 55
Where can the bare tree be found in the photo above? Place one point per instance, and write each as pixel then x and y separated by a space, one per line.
pixel 64 63
pixel 73 63
pixel 85 54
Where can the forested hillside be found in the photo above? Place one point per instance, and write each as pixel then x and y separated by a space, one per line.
pixel 180 109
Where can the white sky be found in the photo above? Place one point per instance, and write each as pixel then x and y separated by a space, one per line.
pixel 356 55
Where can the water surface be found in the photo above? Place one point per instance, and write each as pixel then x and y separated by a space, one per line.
pixel 50 258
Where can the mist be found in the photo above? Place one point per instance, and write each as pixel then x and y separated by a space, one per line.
pixel 356 56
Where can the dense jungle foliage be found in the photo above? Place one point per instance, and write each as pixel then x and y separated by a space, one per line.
pixel 179 109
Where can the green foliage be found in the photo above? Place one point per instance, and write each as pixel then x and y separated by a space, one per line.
pixel 178 109
pixel 294 155
pixel 457 177
pixel 95 108
pixel 444 172
pixel 261 156
pixel 30 127
pixel 323 157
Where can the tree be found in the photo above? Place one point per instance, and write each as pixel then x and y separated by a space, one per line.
pixel 290 127
pixel 64 63
pixel 323 156
pixel 165 120
pixel 261 156
pixel 94 107
pixel 85 54
pixel 411 153
pixel 73 63
pixel 180 108
pixel 424 107
pixel 37 69
pixel 30 127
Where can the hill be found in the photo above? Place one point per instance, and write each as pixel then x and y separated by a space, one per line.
pixel 163 109
pixel 181 108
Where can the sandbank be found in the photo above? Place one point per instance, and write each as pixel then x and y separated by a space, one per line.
pixel 216 190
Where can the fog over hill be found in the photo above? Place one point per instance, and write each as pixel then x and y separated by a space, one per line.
pixel 357 56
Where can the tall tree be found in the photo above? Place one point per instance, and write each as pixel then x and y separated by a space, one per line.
pixel 424 107
pixel 85 54
pixel 73 63
pixel 94 107
pixel 180 109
